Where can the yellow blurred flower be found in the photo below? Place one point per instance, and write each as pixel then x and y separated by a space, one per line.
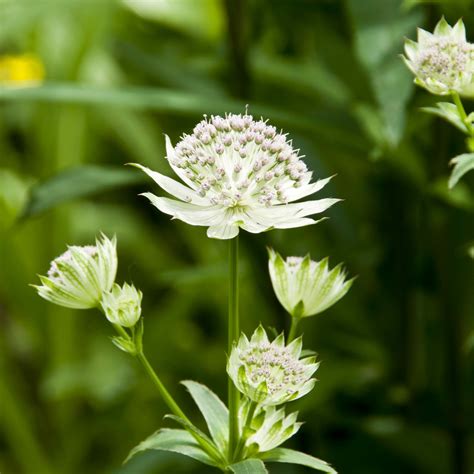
pixel 21 70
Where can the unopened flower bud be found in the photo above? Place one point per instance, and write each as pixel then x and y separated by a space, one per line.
pixel 122 305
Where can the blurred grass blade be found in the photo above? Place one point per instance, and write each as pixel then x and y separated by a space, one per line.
pixel 74 183
pixel 179 103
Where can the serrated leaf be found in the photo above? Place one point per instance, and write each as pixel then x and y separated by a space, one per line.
pixel 449 112
pixel 78 182
pixel 462 164
pixel 213 410
pixel 249 466
pixel 176 441
pixel 291 456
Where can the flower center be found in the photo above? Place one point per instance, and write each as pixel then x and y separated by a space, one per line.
pixel 237 161
pixel 275 366
pixel 444 60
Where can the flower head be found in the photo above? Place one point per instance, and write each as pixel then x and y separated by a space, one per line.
pixel 81 275
pixel 442 61
pixel 122 305
pixel 238 173
pixel 270 428
pixel 305 287
pixel 270 373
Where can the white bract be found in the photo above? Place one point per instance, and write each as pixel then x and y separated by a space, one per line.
pixel 305 287
pixel 442 61
pixel 238 173
pixel 81 275
pixel 122 305
pixel 270 373
pixel 271 428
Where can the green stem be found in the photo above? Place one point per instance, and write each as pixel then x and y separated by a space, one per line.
pixel 233 334
pixel 243 437
pixel 208 447
pixel 294 327
pixel 462 113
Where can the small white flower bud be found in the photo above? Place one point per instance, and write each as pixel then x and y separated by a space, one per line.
pixel 122 305
pixel 305 287
pixel 79 277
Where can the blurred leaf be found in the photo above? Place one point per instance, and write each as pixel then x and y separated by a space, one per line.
pixel 249 466
pixel 459 197
pixel 188 16
pixel 462 164
pixel 74 183
pixel 295 457
pixel 379 29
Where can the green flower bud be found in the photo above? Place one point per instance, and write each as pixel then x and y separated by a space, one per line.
pixel 79 277
pixel 270 428
pixel 305 287
pixel 122 305
pixel 270 373
pixel 442 61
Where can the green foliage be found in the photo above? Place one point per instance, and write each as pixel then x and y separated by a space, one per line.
pixel 462 164
pixel 395 383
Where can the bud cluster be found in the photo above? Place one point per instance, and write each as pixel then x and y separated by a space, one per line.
pixel 234 160
pixel 270 373
pixel 83 277
pixel 443 62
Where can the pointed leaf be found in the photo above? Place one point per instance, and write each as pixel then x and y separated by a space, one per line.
pixel 295 457
pixel 77 183
pixel 462 164
pixel 214 411
pixel 177 441
pixel 249 466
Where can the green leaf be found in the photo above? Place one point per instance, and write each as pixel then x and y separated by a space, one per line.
pixel 462 164
pixel 176 441
pixel 214 411
pixel 78 182
pixel 449 112
pixel 295 457
pixel 379 33
pixel 249 466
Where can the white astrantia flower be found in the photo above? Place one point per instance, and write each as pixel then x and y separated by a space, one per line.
pixel 305 287
pixel 238 173
pixel 122 305
pixel 270 428
pixel 442 61
pixel 270 373
pixel 81 275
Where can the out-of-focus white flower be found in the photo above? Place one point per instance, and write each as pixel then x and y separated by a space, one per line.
pixel 122 305
pixel 238 173
pixel 305 287
pixel 270 373
pixel 81 275
pixel 442 61
pixel 270 427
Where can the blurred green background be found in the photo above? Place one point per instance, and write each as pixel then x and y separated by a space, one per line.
pixel 396 383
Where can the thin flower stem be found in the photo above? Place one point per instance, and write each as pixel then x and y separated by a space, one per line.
pixel 243 438
pixel 169 400
pixel 462 113
pixel 233 334
pixel 293 328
